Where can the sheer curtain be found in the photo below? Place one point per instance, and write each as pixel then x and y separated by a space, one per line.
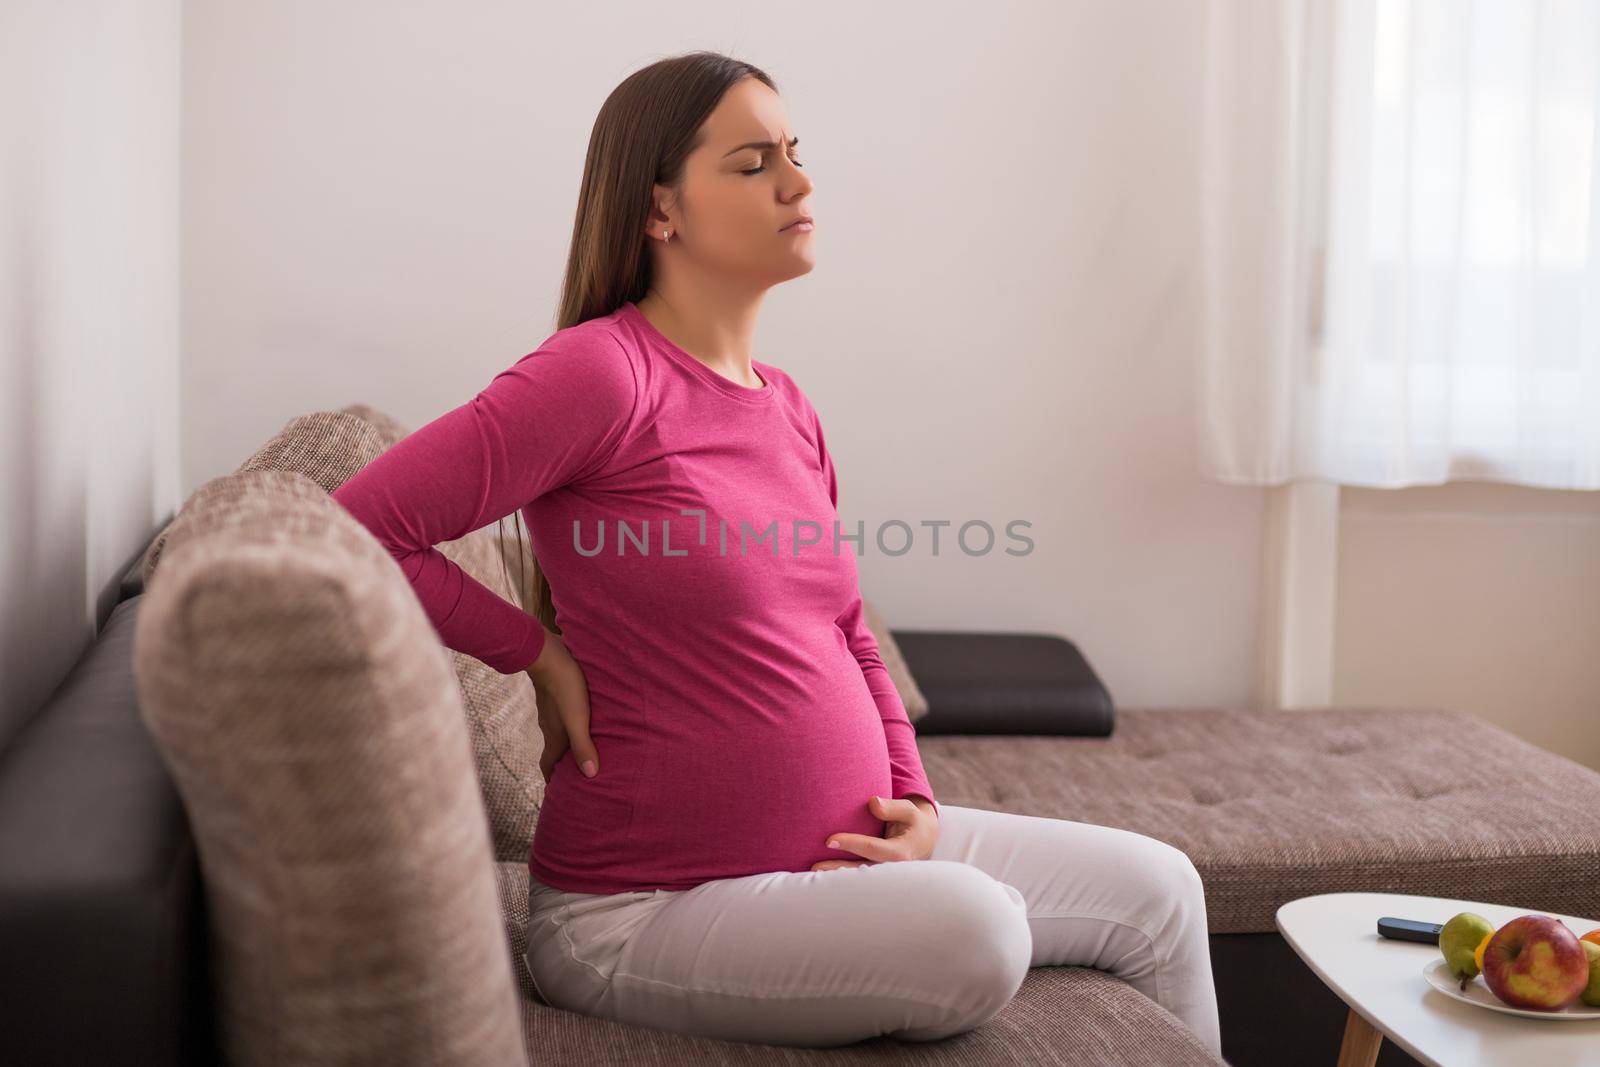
pixel 1401 241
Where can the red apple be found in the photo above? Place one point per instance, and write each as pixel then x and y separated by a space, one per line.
pixel 1535 962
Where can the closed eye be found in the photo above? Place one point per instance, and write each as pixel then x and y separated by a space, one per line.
pixel 761 168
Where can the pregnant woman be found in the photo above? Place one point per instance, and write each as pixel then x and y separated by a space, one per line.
pixel 737 838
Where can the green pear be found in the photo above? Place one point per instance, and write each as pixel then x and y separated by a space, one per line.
pixel 1459 941
pixel 1591 992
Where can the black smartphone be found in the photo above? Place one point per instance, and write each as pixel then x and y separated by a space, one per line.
pixel 1409 930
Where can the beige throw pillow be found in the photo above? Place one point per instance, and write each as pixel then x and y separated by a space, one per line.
pixel 330 446
pixel 895 662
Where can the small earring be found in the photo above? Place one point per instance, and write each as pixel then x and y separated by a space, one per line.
pixel 666 235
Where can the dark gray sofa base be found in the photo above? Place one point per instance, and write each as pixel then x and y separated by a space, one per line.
pixel 1274 1009
pixel 102 906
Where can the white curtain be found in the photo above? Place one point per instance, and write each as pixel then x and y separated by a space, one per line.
pixel 1401 242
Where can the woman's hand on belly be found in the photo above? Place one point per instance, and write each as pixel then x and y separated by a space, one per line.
pixel 913 830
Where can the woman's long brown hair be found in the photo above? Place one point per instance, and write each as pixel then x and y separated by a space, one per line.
pixel 643 134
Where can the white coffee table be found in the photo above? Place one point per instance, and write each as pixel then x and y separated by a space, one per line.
pixel 1381 980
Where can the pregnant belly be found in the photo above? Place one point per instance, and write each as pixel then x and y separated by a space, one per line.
pixel 729 796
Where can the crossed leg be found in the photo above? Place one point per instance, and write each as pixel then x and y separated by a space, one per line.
pixel 916 951
pixel 1102 897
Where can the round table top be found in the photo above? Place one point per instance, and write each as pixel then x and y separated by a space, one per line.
pixel 1336 934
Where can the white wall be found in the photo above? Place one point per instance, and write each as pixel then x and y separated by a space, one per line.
pixel 1478 596
pixel 1000 325
pixel 89 170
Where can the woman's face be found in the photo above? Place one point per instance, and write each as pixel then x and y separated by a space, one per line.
pixel 738 197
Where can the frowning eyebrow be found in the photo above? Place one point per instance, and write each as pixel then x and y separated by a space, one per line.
pixel 763 145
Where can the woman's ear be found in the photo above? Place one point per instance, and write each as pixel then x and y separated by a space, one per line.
pixel 661 205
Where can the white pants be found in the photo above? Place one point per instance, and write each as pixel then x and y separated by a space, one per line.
pixel 915 950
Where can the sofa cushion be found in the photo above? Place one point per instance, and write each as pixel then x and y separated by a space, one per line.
pixel 1275 805
pixel 895 662
pixel 1068 1016
pixel 315 731
pixel 330 446
pixel 389 429
pixel 326 446
pixel 1006 683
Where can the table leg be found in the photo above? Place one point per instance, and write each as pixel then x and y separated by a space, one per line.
pixel 1361 1042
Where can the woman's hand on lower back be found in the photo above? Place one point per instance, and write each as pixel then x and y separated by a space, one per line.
pixel 913 829
pixel 563 699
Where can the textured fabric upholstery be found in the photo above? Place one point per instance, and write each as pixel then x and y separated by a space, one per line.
pixel 330 446
pixel 1275 805
pixel 325 446
pixel 315 730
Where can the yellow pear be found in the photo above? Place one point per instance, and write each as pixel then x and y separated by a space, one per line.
pixel 1460 941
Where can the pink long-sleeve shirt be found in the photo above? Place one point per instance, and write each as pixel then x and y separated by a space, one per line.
pixel 687 525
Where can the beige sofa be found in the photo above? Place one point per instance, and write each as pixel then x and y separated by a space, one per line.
pixel 362 800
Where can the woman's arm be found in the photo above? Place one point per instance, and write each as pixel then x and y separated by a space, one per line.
pixel 554 416
pixel 905 762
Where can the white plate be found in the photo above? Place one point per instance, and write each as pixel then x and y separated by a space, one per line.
pixel 1437 972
